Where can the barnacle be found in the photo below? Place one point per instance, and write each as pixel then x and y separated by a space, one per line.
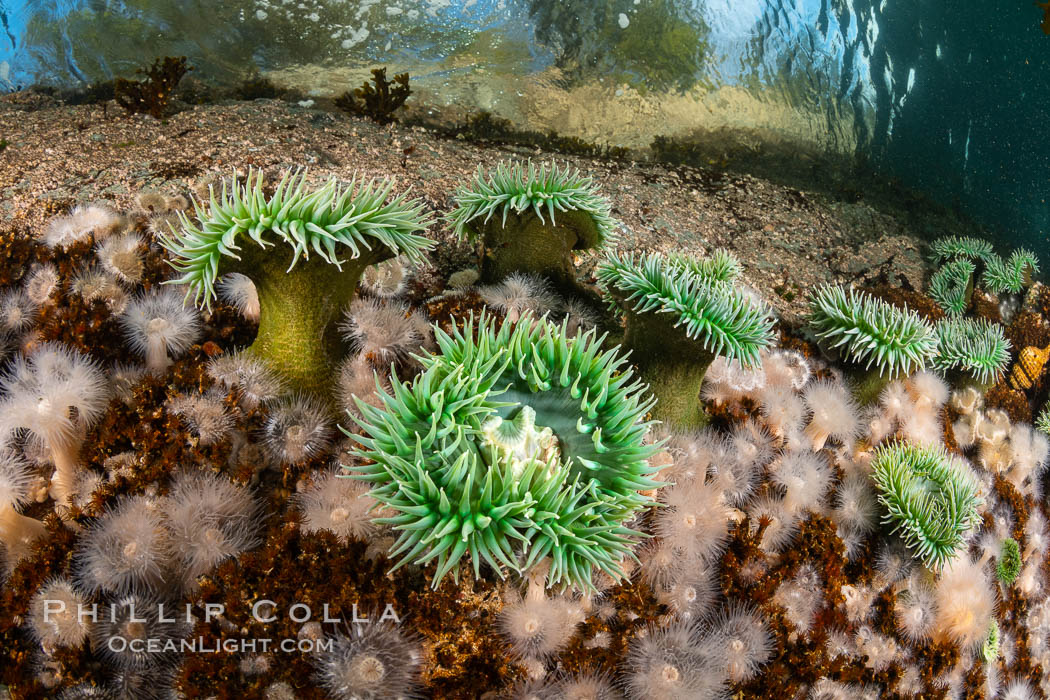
pixel 896 341
pixel 952 247
pixel 678 322
pixel 952 285
pixel 1009 564
pixel 333 232
pixel 977 347
pixel 529 219
pixel 1011 275
pixel 516 435
pixel 928 499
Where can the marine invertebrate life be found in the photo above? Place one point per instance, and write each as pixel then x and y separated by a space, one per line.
pixel 358 380
pixel 519 433
pixel 152 633
pixel 85 220
pixel 1011 275
pixel 299 303
pixel 744 638
pixel 1009 564
pixel 208 519
pixel 159 326
pixel 666 662
pixel 929 500
pixel 205 414
pixel 93 283
pixel 384 332
pixel 952 247
pixel 536 626
pixel 54 617
pixel 804 478
pixel 1042 421
pixel 872 332
pixel 587 686
pixel 386 279
pixel 252 380
pixel 121 256
pixel 379 100
pixel 677 323
pixel 833 414
pixel 151 94
pixel 952 286
pixel 370 662
pixel 856 509
pixel 126 550
pixel 990 647
pixel 41 283
pixel 965 603
pixel 694 522
pixel 1021 689
pixel 239 291
pixel 55 395
pixel 17 531
pixel 518 294
pixel 915 609
pixel 17 311
pixel 337 504
pixel 691 596
pixel 720 266
pixel 1029 368
pixel 297 428
pixel 530 219
pixel 976 347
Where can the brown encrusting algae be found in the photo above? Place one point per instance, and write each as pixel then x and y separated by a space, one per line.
pixel 652 432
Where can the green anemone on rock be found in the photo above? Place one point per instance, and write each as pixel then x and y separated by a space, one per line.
pixel 517 444
pixel 530 219
pixel 681 313
pixel 930 500
pixel 328 237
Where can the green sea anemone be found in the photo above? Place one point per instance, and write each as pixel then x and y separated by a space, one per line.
pixel 928 499
pixel 514 445
pixel 1042 421
pixel 1011 275
pixel 721 266
pixel 530 219
pixel 1009 565
pixel 678 321
pixel 872 332
pixel 977 347
pixel 952 247
pixel 952 285
pixel 990 645
pixel 332 234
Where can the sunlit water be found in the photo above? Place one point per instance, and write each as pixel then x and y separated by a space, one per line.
pixel 951 97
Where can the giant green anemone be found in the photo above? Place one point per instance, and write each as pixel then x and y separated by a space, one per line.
pixel 975 347
pixel 681 313
pixel 330 235
pixel 871 332
pixel 928 499
pixel 530 219
pixel 515 444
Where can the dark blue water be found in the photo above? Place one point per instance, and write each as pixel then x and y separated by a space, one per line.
pixel 951 98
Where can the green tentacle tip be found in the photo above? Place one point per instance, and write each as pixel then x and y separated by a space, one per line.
pixel 978 348
pixel 516 443
pixel 952 285
pixel 1042 421
pixel 524 187
pixel 872 332
pixel 331 221
pixel 990 645
pixel 696 298
pixel 1008 567
pixel 929 500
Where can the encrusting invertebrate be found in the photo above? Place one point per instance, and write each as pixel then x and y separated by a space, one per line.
pixel 677 323
pixel 516 434
pixel 17 531
pixel 530 219
pixel 157 323
pixel 333 232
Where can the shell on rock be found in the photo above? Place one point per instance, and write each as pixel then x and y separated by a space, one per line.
pixel 1029 367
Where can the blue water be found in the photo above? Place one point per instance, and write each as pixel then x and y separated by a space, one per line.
pixel 951 98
